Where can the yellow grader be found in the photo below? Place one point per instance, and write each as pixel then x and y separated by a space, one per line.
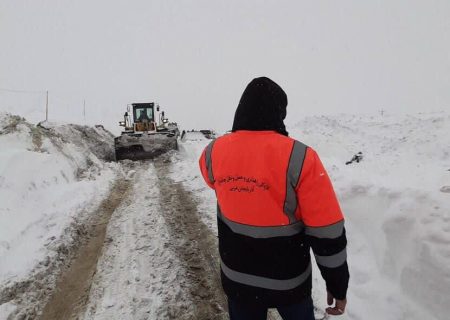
pixel 147 133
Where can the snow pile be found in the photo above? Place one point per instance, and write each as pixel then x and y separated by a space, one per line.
pixel 398 218
pixel 396 204
pixel 96 140
pixel 50 177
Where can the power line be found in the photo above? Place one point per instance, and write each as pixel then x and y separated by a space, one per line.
pixel 21 91
pixel 63 104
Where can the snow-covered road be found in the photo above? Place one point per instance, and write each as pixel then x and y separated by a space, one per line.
pixel 156 262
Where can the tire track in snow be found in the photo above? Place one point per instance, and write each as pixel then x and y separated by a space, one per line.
pixel 195 245
pixel 72 290
pixel 149 268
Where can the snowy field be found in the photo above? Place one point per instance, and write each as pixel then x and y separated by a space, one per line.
pixel 396 202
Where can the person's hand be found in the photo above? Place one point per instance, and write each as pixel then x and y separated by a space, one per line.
pixel 339 307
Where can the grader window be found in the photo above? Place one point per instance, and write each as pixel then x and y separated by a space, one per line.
pixel 143 114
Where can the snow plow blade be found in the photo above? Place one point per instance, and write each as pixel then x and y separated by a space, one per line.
pixel 144 146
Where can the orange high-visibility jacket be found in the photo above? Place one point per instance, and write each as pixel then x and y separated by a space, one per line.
pixel 275 200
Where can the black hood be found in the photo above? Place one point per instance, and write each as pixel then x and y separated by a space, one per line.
pixel 262 107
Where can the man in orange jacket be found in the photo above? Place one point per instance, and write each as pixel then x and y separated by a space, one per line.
pixel 275 201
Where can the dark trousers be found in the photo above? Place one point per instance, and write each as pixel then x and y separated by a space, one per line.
pixel 299 311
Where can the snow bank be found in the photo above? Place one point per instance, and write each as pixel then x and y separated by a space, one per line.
pixel 185 169
pixel 50 176
pixel 398 219
pixel 396 206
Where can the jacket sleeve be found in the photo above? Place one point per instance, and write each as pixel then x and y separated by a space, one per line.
pixel 204 169
pixel 324 224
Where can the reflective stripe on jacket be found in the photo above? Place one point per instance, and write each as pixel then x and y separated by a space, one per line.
pixel 275 200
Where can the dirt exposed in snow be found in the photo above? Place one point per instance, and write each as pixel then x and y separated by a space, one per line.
pixel 72 291
pixel 195 245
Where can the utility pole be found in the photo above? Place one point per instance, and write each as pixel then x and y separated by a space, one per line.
pixel 46 108
pixel 84 110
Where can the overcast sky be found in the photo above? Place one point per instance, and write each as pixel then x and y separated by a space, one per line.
pixel 196 57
